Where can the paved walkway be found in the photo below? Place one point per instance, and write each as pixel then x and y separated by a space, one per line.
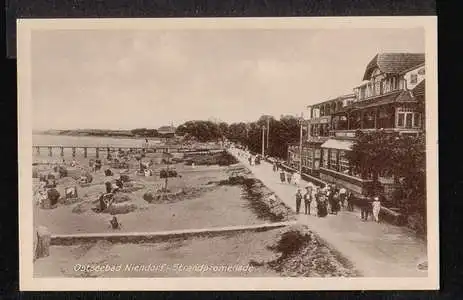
pixel 376 249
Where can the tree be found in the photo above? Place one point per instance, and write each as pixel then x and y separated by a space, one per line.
pixel 282 132
pixel 223 129
pixel 403 157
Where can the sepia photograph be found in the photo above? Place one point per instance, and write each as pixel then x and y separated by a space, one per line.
pixel 261 153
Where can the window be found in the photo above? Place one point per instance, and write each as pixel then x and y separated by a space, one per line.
pixel 334 159
pixel 402 84
pixel 407 118
pixel 417 120
pixel 384 86
pixel 400 119
pixel 413 78
pixel 378 88
pixel 317 153
pixel 310 159
pixel 343 162
pixel 325 158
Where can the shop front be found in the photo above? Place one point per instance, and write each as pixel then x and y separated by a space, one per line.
pixel 311 155
pixel 335 167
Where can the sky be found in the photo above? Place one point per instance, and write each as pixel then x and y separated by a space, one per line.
pixel 125 79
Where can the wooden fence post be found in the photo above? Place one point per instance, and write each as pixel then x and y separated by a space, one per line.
pixel 50 151
pixel 62 151
pixel 97 152
pixel 85 152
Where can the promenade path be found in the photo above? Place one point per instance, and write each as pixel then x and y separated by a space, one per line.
pixel 375 249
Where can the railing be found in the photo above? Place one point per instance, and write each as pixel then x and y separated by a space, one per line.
pixel 352 132
pixel 109 149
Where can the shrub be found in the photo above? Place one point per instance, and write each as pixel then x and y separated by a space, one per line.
pixel 291 242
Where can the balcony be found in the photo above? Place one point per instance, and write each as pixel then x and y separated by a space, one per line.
pixel 351 133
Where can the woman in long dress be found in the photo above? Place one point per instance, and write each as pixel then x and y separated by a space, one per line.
pixel 322 209
pixel 289 177
pixel 376 208
pixel 296 178
pixel 282 176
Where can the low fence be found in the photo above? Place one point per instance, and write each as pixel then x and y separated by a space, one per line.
pixel 96 150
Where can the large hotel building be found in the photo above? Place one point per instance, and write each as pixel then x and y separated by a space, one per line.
pixel 390 98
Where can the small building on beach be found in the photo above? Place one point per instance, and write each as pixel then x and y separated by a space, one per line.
pixel 166 131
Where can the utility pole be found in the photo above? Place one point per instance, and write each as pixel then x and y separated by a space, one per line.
pixel 268 130
pixel 301 121
pixel 263 141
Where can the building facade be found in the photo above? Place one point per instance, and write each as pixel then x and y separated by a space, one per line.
pixel 390 98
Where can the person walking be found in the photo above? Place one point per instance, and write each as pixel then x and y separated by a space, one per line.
pixel 322 210
pixel 296 178
pixel 308 199
pixel 288 177
pixel 342 196
pixel 330 198
pixel 282 176
pixel 350 201
pixel 365 205
pixel 298 200
pixel 336 203
pixel 376 208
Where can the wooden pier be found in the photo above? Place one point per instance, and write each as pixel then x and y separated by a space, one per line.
pixel 97 150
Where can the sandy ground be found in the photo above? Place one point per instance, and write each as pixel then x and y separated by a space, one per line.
pixel 169 259
pixel 248 254
pixel 211 206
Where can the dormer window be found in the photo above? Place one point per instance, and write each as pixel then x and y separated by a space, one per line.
pixel 413 78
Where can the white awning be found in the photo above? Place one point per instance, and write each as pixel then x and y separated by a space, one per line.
pixel 338 144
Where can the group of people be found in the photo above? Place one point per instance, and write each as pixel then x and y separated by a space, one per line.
pixel 331 199
pixel 328 200
pixel 286 176
pixel 325 199
pixel 254 160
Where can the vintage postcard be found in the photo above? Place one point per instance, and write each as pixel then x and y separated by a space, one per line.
pixel 228 154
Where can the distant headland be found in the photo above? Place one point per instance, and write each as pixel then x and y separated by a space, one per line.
pixel 134 133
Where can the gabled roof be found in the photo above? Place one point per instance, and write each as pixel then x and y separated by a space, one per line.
pixel 419 90
pixel 393 63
